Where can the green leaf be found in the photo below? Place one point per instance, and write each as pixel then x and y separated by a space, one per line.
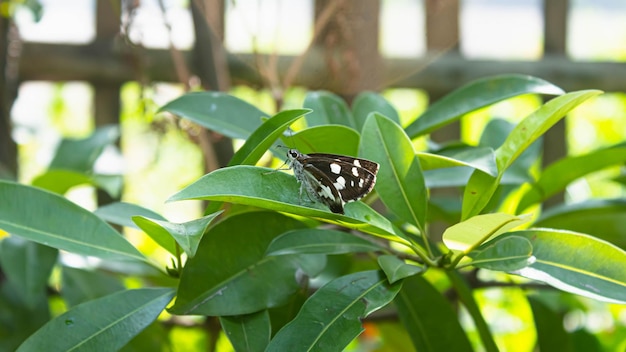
pixel 564 171
pixel 85 285
pixel 230 275
pixel 368 102
pixel 52 220
pixel 18 320
pixel 402 188
pixel 480 158
pixel 396 269
pixel 121 213
pixel 269 189
pixel 334 139
pixel 27 265
pixel 80 155
pixel 475 95
pixel 331 317
pixel 503 254
pixel 551 335
pixel 60 181
pixel 328 108
pixel 219 112
pixel 428 318
pixel 107 323
pixel 249 333
pixel 319 241
pixel 576 263
pixel 469 234
pixel 481 187
pixel 264 136
pixel 602 218
pixel 187 234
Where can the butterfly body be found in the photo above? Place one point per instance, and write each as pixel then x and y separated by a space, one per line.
pixel 333 179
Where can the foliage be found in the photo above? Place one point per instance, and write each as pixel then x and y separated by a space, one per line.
pixel 280 273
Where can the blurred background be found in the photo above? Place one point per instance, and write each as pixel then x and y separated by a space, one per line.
pixel 70 66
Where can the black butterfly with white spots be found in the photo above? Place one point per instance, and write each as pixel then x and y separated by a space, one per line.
pixel 333 180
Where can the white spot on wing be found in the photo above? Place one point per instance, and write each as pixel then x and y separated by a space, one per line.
pixel 357 163
pixel 340 183
pixel 335 168
pixel 355 172
pixel 361 182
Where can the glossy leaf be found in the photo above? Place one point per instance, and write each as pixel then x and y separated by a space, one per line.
pixel 187 234
pixel 576 263
pixel 275 190
pixel 229 275
pixel 561 173
pixel 264 136
pixel 468 234
pixel 402 188
pixel 328 108
pixel 481 187
pixel 52 220
pixel 248 333
pixel 475 95
pixel 220 112
pixel 503 254
pixel 27 265
pixel 121 213
pixel 107 323
pixel 319 241
pixel 602 218
pixel 428 318
pixel 331 317
pixel 396 269
pixel 334 139
pixel 368 102
pixel 80 155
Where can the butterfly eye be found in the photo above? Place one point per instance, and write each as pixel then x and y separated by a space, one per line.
pixel 292 153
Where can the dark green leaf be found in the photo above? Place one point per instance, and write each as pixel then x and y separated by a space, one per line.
pixel 319 241
pixel 264 136
pixel 576 263
pixel 331 317
pixel 328 108
pixel 27 265
pixel 368 102
pixel 475 95
pixel 52 220
pixel 19 321
pixel 107 323
pixel 248 333
pixel 80 154
pixel 396 269
pixel 230 274
pixel 402 188
pixel 219 112
pixel 429 318
pixel 269 189
pixel 551 336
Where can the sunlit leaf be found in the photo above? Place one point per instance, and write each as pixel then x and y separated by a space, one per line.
pixel 468 234
pixel 504 254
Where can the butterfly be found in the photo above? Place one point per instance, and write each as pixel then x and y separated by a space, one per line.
pixel 333 180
